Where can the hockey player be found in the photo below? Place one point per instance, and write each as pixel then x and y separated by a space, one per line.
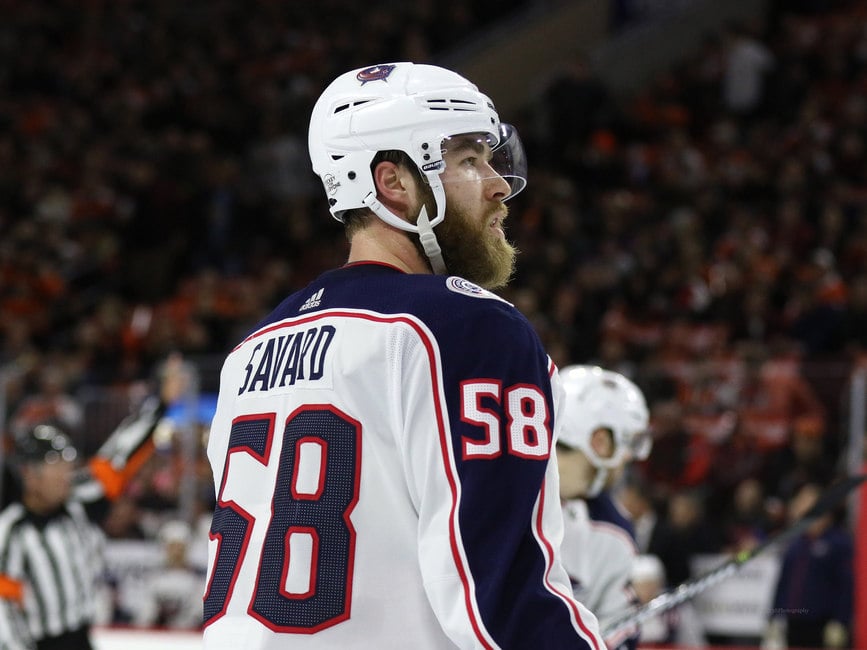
pixel 605 422
pixel 382 441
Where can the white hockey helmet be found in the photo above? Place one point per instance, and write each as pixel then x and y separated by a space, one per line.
pixel 408 107
pixel 601 399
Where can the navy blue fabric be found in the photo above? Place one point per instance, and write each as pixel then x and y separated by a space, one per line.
pixel 815 582
pixel 603 508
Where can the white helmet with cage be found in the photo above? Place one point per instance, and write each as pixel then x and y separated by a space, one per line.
pixel 412 108
pixel 602 399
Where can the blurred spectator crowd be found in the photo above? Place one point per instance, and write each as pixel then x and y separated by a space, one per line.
pixel 706 237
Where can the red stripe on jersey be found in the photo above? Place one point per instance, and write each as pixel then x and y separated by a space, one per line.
pixel 450 470
pixel 567 598
pixel 616 531
pixel 218 538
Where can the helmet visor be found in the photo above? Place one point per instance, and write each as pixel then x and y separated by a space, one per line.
pixel 640 444
pixel 503 157
pixel 509 160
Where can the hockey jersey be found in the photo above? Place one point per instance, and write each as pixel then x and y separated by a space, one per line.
pixel 598 555
pixel 381 450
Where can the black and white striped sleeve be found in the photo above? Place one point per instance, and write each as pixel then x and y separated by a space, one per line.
pixel 14 630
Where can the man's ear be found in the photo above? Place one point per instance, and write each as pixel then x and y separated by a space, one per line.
pixel 395 186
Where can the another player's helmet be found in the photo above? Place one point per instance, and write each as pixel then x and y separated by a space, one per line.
pixel 408 107
pixel 601 399
pixel 44 443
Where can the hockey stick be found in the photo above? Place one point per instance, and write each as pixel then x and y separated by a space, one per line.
pixel 694 586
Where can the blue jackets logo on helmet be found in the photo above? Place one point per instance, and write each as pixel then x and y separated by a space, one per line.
pixel 374 73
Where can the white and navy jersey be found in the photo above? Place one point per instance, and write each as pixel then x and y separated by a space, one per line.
pixel 598 556
pixel 603 508
pixel 50 568
pixel 382 456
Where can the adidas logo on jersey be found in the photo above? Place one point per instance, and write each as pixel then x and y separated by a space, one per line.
pixel 312 301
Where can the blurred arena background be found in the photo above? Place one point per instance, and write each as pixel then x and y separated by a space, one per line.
pixel 696 219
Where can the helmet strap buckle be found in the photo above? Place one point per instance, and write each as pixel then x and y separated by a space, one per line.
pixel 429 243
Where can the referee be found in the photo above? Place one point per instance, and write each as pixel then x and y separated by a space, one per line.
pixel 51 556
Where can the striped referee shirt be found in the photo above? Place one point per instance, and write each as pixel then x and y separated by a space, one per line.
pixel 51 565
pixel 61 557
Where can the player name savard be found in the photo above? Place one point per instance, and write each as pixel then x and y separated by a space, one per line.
pixel 286 359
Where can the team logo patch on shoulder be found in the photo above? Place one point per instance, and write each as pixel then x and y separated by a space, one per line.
pixel 467 288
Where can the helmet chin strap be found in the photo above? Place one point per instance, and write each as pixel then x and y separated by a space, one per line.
pixel 425 228
pixel 598 482
pixel 429 243
pixel 423 225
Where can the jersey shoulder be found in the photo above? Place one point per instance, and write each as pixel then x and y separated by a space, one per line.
pixel 473 330
pixel 437 301
pixel 10 517
pixel 603 508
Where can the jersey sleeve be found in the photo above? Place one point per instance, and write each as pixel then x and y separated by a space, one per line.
pixel 479 463
pixel 14 632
